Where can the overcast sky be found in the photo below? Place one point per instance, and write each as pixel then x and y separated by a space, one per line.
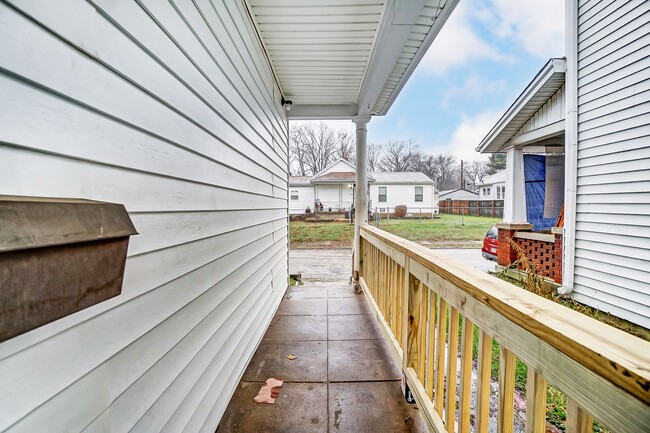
pixel 482 59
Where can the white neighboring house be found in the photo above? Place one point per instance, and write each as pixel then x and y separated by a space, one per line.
pixel 458 194
pixel 493 187
pixel 334 188
pixel 415 190
pixel 589 116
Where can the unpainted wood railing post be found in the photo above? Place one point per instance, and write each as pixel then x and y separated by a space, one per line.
pixel 505 420
pixel 465 375
pixel 484 372
pixel 535 402
pixel 577 420
pixel 452 369
pixel 405 312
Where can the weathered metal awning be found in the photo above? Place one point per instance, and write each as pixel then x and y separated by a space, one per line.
pixel 335 59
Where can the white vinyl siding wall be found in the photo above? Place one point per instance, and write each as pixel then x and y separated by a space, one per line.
pixel 612 255
pixel 171 110
pixel 403 195
pixel 305 198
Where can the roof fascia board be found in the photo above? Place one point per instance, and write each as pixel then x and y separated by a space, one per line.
pixel 322 112
pixel 395 29
pixel 552 67
pixel 445 13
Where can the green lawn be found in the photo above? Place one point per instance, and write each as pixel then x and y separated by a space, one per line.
pixel 447 228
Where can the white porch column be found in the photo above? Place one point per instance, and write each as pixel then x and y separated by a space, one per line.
pixel 361 195
pixel 514 204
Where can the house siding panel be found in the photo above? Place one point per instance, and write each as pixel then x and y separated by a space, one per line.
pixel 612 266
pixel 141 104
pixel 404 195
pixel 305 198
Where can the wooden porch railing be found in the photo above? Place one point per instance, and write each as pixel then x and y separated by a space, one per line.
pixel 419 298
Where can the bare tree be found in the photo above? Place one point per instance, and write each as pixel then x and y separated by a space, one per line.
pixel 426 165
pixel 399 156
pixel 475 172
pixel 447 171
pixel 374 155
pixel 313 147
pixel 346 146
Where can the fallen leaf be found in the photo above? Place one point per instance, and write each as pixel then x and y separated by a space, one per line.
pixel 291 357
pixel 269 391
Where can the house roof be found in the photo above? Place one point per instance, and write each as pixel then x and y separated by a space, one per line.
pixel 451 191
pixel 299 181
pixel 397 178
pixel 337 60
pixel 338 177
pixel 545 84
pixel 498 177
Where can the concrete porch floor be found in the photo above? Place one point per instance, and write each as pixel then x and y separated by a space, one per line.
pixel 344 379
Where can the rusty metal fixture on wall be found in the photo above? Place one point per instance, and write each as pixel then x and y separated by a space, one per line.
pixel 58 256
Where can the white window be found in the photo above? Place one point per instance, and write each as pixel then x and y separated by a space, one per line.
pixel 294 194
pixel 382 194
pixel 419 193
pixel 498 193
pixel 488 191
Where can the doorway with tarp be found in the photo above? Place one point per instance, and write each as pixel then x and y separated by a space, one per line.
pixel 544 181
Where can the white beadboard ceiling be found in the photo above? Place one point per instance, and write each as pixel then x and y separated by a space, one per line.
pixel 343 58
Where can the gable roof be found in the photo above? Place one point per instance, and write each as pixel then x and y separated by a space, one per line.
pixel 299 181
pixel 498 177
pixel 458 190
pixel 338 177
pixel 401 178
pixel 545 84
pixel 338 161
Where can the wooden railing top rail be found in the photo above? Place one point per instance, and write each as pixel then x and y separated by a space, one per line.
pixel 615 355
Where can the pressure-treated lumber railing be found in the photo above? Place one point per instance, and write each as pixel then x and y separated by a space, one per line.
pixel 419 297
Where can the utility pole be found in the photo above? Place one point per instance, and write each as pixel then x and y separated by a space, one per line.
pixel 462 176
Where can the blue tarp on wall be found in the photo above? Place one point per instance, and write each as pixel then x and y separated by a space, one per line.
pixel 535 178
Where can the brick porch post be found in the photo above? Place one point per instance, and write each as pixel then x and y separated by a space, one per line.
pixel 506 254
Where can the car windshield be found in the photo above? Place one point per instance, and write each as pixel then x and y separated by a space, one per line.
pixel 492 233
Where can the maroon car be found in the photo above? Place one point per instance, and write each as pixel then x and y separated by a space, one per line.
pixel 491 244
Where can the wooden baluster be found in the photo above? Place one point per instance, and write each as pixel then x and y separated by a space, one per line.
pixel 431 340
pixel 414 323
pixel 465 375
pixel 484 371
pixel 535 403
pixel 422 331
pixel 577 420
pixel 452 369
pixel 506 391
pixel 405 311
pixel 440 355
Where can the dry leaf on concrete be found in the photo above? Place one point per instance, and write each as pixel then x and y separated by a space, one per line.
pixel 291 357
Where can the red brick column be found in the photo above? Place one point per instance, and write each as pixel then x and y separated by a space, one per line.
pixel 506 254
pixel 557 255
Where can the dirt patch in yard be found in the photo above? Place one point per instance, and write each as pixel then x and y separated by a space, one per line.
pixel 321 245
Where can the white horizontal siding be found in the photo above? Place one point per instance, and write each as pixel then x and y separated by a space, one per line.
pixel 404 195
pixel 305 198
pixel 612 264
pixel 172 111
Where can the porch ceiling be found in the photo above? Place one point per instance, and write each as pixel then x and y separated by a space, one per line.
pixel 336 59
